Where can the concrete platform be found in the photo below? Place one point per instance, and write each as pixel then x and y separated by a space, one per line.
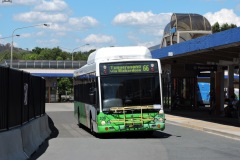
pixel 216 124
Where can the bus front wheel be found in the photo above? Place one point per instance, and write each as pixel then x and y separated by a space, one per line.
pixel 91 127
pixel 79 123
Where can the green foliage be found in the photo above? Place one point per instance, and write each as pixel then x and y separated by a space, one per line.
pixel 80 56
pixel 226 26
pixel 217 28
pixel 41 54
pixel 48 54
pixel 59 58
pixel 64 85
pixel 30 56
pixel 37 50
pixel 4 55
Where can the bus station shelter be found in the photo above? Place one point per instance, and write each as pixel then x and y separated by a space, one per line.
pixel 213 58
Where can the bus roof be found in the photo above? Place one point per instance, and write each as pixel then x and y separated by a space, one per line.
pixel 118 53
pixel 108 54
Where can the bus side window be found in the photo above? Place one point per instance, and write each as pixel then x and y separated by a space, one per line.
pixel 92 95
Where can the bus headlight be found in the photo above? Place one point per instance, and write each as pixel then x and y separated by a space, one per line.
pixel 161 120
pixel 161 111
pixel 103 123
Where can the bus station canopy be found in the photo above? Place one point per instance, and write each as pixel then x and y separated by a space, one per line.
pixel 222 48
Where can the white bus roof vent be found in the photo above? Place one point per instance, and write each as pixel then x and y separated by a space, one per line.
pixel 119 53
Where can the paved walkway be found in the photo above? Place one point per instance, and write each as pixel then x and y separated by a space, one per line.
pixel 228 127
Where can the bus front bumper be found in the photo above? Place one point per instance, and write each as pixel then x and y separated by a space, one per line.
pixel 131 127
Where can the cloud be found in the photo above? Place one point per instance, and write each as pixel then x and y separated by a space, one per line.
pixel 48 42
pixel 74 24
pixel 142 25
pixel 83 22
pixel 58 27
pixel 54 5
pixel 142 19
pixel 58 21
pixel 60 34
pixel 40 33
pixel 21 2
pixel 223 16
pixel 147 41
pixel 31 35
pixel 237 8
pixel 155 31
pixel 26 35
pixel 26 2
pixel 98 38
pixel 40 17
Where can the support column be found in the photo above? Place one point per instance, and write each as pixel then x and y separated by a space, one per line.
pixel 239 92
pixel 219 90
pixel 212 90
pixel 51 88
pixel 230 81
pixel 49 94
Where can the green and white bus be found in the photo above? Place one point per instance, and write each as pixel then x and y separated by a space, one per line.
pixel 119 90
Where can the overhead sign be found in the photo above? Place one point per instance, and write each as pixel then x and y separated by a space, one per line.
pixel 201 67
pixel 128 67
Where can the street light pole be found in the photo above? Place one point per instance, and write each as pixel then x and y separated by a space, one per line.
pixel 13 36
pixel 16 35
pixel 77 48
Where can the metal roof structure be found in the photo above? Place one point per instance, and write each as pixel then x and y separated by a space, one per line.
pixel 184 27
pixel 222 48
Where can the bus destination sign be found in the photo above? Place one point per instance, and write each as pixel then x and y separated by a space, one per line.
pixel 124 68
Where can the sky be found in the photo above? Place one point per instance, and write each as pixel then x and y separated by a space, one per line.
pixel 101 23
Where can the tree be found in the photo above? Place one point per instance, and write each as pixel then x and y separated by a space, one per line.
pixel 64 85
pixel 4 55
pixel 217 28
pixel 37 50
pixel 30 56
pixel 226 26
pixel 45 54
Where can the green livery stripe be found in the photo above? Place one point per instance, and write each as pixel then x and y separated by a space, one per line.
pixel 130 122
pixel 78 106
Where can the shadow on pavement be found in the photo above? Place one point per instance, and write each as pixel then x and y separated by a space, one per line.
pixel 130 135
pixel 135 135
pixel 43 147
pixel 201 114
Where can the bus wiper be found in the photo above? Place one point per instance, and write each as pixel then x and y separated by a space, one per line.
pixel 129 108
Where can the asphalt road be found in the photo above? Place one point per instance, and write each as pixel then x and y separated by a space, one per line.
pixel 69 142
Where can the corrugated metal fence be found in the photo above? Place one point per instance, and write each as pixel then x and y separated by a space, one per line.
pixel 22 97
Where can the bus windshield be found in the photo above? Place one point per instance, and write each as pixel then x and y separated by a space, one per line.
pixel 130 90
